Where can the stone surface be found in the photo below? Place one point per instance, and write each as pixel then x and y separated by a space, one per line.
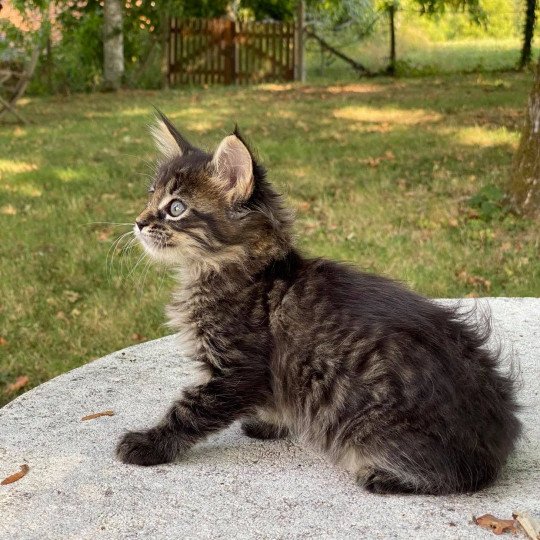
pixel 230 486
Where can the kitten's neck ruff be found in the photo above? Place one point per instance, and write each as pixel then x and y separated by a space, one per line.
pixel 206 296
pixel 240 264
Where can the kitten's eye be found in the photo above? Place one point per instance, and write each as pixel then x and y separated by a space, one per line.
pixel 176 208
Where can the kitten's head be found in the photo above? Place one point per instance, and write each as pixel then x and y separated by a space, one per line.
pixel 205 210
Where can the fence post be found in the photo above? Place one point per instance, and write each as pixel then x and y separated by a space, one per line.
pixel 230 51
pixel 166 23
pixel 299 68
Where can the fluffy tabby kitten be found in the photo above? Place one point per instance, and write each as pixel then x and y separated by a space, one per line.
pixel 397 389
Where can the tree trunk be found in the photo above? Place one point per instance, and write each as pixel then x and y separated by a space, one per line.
pixel 525 177
pixel 528 31
pixel 391 69
pixel 113 45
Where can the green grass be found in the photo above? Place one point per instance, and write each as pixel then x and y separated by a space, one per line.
pixel 381 173
pixel 418 56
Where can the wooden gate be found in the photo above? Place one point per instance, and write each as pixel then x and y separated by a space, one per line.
pixel 207 51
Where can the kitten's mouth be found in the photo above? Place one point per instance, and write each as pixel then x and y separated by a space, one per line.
pixel 152 241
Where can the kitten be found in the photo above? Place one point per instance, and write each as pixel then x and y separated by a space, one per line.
pixel 397 389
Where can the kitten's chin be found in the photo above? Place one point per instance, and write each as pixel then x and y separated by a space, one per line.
pixel 162 254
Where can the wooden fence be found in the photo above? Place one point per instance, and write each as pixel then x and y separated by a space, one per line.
pixel 208 51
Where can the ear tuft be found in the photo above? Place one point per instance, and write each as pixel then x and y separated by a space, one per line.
pixel 169 140
pixel 164 140
pixel 233 168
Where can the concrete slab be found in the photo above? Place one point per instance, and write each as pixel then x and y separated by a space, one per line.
pixel 230 486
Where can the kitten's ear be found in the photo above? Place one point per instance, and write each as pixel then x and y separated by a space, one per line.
pixel 233 168
pixel 168 139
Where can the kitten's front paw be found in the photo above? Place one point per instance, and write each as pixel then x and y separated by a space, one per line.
pixel 143 448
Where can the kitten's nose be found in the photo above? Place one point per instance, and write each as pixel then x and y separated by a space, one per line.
pixel 141 224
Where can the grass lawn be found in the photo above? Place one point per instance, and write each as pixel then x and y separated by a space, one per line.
pixel 381 173
pixel 417 56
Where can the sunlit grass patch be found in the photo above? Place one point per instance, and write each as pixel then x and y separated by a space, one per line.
pixel 398 177
pixel 8 166
pixel 395 116
pixel 484 138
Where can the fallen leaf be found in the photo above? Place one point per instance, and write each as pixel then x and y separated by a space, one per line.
pixel 137 337
pixel 17 476
pixel 97 415
pixel 19 383
pixel 476 281
pixel 3 341
pixel 71 296
pixel 376 161
pixel 372 162
pixel 498 526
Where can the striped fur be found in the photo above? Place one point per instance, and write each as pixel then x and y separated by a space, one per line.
pixel 400 391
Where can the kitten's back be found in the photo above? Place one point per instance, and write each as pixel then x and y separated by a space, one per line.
pixel 367 366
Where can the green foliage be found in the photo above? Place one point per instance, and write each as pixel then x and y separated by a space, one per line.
pixel 78 58
pixel 345 18
pixel 425 44
pixel 277 10
pixel 490 203
pixel 12 44
pixel 502 20
pixel 437 7
pixel 24 6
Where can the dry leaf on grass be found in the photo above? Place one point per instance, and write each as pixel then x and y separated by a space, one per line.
pixel 496 525
pixel 376 161
pixel 17 476
pixel 104 235
pixel 475 281
pixel 97 415
pixel 19 383
pixel 71 296
pixel 3 341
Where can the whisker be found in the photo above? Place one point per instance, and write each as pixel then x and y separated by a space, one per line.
pixel 107 223
pixel 136 264
pixel 146 270
pixel 126 252
pixel 111 252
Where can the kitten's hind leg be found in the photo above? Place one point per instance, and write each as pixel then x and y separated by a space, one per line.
pixel 258 429
pixel 383 482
